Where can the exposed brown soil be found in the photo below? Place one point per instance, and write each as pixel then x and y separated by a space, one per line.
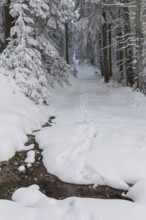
pixel 11 179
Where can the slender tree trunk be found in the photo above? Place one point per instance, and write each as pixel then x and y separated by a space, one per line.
pixel 128 48
pixel 105 51
pixel 101 53
pixel 138 44
pixel 120 57
pixel 110 50
pixel 2 28
pixel 8 23
pixel 66 43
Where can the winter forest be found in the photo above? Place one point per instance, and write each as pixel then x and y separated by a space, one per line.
pixel 38 38
pixel 72 109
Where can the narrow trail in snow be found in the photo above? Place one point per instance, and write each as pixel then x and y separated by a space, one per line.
pixel 83 139
pixel 99 134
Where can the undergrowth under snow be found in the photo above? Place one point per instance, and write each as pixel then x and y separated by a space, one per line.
pixel 18 117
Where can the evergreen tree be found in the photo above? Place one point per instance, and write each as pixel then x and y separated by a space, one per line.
pixel 36 48
pixel 22 57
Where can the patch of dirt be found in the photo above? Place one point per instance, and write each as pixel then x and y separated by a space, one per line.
pixel 12 179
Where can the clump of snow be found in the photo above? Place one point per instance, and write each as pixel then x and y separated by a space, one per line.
pixel 28 196
pixel 31 146
pixel 138 192
pixel 22 169
pixel 30 157
pixel 29 165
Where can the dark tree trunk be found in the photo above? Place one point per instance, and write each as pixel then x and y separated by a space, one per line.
pixel 120 55
pixel 128 48
pixel 139 45
pixel 105 51
pixel 8 23
pixel 66 43
pixel 101 54
pixel 110 50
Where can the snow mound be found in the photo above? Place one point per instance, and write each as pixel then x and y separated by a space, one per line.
pixel 36 206
pixel 138 192
pixel 18 117
pixel 29 196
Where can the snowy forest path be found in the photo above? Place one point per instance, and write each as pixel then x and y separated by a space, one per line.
pixel 94 147
pixel 77 99
pixel 99 133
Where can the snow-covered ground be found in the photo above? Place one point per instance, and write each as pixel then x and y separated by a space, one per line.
pixel 30 204
pixel 98 137
pixel 18 117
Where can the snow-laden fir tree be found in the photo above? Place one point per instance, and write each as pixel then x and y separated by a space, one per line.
pixel 51 38
pixel 36 48
pixel 22 57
